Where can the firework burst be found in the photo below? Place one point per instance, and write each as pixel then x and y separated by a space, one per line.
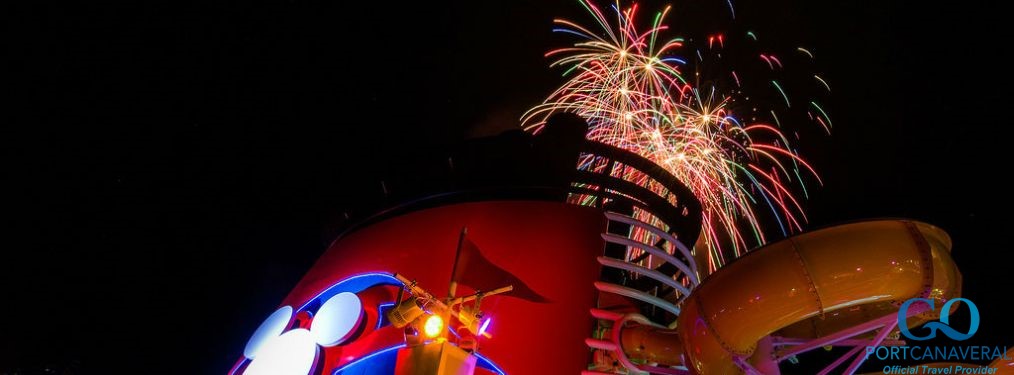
pixel 629 83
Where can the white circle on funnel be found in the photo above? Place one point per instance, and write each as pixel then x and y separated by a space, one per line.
pixel 293 353
pixel 269 329
pixel 337 319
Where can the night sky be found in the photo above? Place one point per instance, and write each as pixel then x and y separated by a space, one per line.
pixel 171 169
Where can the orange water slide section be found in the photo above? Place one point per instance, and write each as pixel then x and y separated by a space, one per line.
pixel 813 282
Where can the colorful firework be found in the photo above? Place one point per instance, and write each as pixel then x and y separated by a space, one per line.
pixel 629 83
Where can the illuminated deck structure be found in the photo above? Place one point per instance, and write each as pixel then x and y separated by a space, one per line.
pixel 604 277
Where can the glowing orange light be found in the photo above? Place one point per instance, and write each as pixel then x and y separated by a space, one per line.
pixel 433 326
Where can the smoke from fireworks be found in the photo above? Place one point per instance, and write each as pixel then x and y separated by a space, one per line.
pixel 630 85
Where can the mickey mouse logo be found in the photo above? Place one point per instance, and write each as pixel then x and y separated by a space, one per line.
pixel 296 351
pixel 293 341
pixel 342 330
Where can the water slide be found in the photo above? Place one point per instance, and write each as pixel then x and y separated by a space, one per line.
pixel 812 285
pixel 840 281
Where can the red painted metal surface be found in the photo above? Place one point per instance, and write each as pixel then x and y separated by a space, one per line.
pixel 551 246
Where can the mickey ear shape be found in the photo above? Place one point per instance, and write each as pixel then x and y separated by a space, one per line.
pixel 292 353
pixel 271 327
pixel 337 319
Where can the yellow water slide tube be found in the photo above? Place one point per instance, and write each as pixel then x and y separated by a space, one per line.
pixel 814 284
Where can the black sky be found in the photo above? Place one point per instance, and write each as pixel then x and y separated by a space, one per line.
pixel 171 167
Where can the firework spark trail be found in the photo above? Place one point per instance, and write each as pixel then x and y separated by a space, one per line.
pixel 628 83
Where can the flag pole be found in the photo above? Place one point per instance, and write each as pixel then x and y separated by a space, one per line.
pixel 453 287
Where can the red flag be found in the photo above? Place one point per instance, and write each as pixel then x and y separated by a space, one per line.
pixel 477 272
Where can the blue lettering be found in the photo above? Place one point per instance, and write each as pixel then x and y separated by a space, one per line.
pixel 885 350
pixel 903 319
